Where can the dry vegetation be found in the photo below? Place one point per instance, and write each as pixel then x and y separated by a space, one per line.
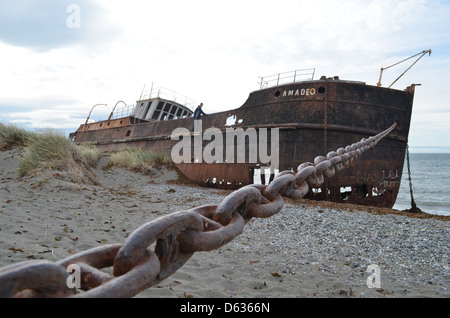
pixel 143 161
pixel 12 136
pixel 50 149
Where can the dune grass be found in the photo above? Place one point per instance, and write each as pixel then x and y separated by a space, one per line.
pixel 143 161
pixel 89 153
pixel 48 149
pixel 12 136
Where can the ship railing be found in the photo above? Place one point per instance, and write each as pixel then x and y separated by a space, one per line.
pixel 165 93
pixel 122 112
pixel 287 78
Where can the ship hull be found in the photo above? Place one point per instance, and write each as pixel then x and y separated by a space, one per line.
pixel 311 119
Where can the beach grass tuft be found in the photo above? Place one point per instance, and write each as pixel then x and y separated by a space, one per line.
pixel 90 154
pixel 143 161
pixel 12 136
pixel 50 149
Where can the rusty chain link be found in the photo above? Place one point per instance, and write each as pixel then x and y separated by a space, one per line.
pixel 175 237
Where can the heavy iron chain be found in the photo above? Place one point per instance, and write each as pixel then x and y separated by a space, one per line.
pixel 414 207
pixel 174 237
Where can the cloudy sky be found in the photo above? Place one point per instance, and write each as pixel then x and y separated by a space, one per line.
pixel 61 57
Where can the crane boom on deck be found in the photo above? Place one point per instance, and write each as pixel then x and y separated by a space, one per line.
pixel 385 68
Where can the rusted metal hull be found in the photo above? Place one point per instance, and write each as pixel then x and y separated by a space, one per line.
pixel 313 118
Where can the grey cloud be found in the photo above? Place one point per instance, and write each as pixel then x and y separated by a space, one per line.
pixel 46 24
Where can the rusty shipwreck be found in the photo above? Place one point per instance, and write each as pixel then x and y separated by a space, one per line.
pixel 312 117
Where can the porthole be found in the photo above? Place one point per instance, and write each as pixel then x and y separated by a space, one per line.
pixel 278 93
pixel 321 90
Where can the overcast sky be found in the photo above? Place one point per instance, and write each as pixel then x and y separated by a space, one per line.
pixel 61 57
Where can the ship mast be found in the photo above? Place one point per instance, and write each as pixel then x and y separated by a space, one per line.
pixel 385 68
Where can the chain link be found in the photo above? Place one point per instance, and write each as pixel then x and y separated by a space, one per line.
pixel 175 237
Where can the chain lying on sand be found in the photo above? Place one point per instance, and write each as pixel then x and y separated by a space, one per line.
pixel 174 238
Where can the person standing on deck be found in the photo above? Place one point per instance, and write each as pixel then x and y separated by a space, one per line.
pixel 198 113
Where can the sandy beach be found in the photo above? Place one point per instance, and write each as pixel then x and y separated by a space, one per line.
pixel 308 250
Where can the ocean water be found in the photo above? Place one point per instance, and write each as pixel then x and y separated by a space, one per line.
pixel 430 177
